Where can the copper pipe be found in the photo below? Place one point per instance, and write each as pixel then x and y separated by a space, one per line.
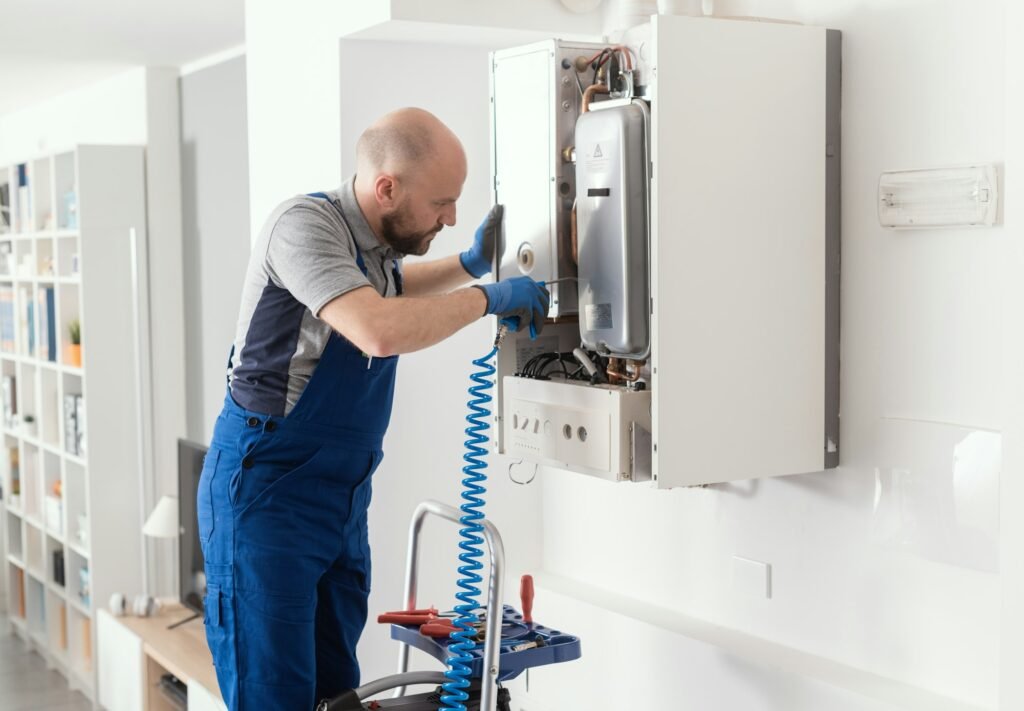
pixel 629 378
pixel 637 366
pixel 612 371
pixel 632 373
pixel 589 94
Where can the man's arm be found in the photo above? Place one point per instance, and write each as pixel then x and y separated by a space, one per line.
pixel 438 276
pixel 383 327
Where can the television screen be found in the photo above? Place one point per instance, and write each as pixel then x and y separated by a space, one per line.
pixel 191 575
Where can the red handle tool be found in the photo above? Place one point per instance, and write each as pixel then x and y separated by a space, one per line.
pixel 411 617
pixel 526 597
pixel 438 628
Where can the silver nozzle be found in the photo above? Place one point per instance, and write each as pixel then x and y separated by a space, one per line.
pixel 500 335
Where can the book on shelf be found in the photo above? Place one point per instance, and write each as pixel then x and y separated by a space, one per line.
pixel 21 593
pixel 10 399
pixel 82 534
pixel 5 207
pixel 80 438
pixel 28 326
pixel 54 509
pixel 24 201
pixel 7 321
pixel 70 214
pixel 87 643
pixel 14 474
pixel 31 306
pixel 47 324
pixel 84 593
pixel 58 567
pixel 74 425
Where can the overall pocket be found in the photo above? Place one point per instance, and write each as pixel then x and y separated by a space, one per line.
pixel 204 497
pixel 363 491
pixel 358 533
pixel 218 617
pixel 269 471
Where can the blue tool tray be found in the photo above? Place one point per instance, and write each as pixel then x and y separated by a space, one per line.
pixel 559 647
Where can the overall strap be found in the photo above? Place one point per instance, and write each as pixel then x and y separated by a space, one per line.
pixel 227 372
pixel 396 273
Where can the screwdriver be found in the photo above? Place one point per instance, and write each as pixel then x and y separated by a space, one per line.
pixel 526 597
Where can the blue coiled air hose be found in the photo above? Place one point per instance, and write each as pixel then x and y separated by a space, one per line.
pixel 460 651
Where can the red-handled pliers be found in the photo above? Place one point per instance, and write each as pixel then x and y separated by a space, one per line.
pixel 413 617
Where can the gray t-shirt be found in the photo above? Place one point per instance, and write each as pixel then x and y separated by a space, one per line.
pixel 304 258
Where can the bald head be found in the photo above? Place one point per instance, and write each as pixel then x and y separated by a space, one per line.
pixel 406 143
pixel 410 169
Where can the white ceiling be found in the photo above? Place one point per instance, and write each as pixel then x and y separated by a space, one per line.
pixel 48 47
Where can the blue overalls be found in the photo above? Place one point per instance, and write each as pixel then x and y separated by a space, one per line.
pixel 282 507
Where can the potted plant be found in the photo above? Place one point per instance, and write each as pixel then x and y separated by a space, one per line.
pixel 28 425
pixel 75 349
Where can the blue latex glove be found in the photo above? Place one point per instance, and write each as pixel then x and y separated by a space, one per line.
pixel 478 259
pixel 517 301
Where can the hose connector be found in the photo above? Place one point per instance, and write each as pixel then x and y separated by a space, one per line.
pixel 501 334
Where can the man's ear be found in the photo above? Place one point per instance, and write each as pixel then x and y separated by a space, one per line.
pixel 385 189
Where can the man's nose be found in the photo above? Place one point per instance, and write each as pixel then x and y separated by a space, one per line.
pixel 448 216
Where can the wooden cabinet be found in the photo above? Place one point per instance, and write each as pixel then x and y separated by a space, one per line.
pixel 134 653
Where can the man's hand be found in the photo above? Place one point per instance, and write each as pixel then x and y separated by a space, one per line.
pixel 478 259
pixel 520 301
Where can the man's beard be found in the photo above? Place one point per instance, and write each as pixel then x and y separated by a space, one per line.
pixel 401 238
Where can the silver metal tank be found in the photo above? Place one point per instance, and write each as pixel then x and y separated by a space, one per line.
pixel 612 203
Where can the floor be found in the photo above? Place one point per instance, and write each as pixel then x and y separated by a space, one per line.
pixel 27 685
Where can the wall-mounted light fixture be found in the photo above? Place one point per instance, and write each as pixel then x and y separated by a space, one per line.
pixel 939 197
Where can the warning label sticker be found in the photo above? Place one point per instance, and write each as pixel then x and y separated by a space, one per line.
pixel 597 161
pixel 598 317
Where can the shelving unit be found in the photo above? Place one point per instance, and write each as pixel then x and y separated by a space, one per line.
pixel 71 523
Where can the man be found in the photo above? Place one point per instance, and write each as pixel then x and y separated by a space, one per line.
pixel 286 484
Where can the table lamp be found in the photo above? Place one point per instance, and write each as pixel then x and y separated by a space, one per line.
pixel 163 521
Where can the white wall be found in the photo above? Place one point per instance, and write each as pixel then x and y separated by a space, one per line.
pixel 1012 487
pixel 215 202
pixel 293 70
pixel 891 563
pixel 111 111
pixel 166 300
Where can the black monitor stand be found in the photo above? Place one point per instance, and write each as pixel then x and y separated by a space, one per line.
pixel 191 617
